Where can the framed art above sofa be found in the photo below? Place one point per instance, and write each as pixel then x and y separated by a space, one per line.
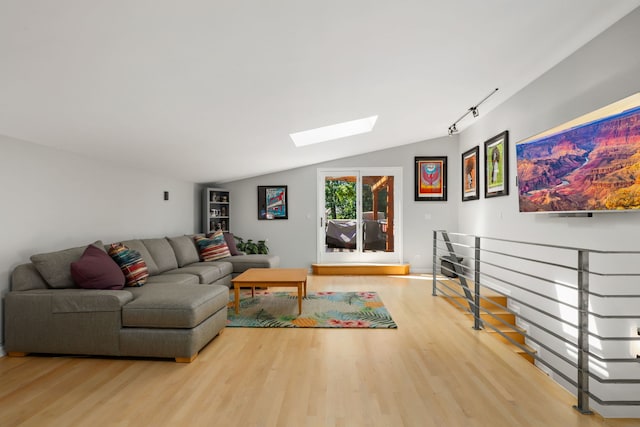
pixel 272 202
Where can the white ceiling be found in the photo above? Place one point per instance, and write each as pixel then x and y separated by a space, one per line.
pixel 208 91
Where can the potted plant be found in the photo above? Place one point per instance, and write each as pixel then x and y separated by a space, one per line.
pixel 251 247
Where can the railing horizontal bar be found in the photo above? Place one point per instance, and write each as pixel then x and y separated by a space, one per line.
pixel 550 280
pixel 544 245
pixel 451 289
pixel 568 379
pixel 537 261
pixel 546 313
pixel 614 338
pixel 456 302
pixel 548 331
pixel 528 305
pixel 506 282
pixel 605 296
pixel 511 340
pixel 614 402
pixel 453 271
pixel 533 276
pixel 460 295
pixel 614 316
pixel 629 360
pixel 464 297
pixel 595 273
pixel 614 381
pixel 462 245
pixel 558 372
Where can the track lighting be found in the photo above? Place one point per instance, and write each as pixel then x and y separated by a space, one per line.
pixel 473 110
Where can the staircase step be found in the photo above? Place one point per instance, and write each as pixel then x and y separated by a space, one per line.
pixel 526 355
pixel 491 315
pixel 495 316
pixel 516 335
pixel 486 302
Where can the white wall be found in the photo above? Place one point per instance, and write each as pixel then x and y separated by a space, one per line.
pixel 605 70
pixel 294 240
pixel 53 200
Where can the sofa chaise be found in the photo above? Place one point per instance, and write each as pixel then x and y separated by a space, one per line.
pixel 180 308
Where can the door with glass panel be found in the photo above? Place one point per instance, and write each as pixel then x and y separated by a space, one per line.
pixel 359 215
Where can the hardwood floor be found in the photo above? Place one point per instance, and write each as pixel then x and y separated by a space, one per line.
pixel 434 370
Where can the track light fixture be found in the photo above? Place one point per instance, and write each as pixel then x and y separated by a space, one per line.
pixel 473 110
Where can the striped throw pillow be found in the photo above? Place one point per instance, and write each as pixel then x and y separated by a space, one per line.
pixel 131 263
pixel 212 247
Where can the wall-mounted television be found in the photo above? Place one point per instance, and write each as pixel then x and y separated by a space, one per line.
pixel 589 164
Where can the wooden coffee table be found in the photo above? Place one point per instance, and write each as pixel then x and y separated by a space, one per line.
pixel 271 277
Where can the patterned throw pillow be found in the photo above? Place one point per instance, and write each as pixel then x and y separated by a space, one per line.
pixel 131 263
pixel 212 247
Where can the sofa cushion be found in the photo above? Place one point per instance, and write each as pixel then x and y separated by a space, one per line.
pixel 174 279
pixel 242 263
pixel 162 254
pixel 206 273
pixel 225 267
pixel 131 263
pixel 97 270
pixel 137 245
pixel 164 305
pixel 231 243
pixel 212 247
pixel 55 267
pixel 185 250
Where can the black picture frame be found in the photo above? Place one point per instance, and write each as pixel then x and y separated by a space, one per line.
pixel 430 175
pixel 470 165
pixel 273 202
pixel 496 165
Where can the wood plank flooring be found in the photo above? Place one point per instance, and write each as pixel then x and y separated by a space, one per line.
pixel 434 370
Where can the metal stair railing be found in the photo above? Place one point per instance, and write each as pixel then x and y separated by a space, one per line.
pixel 563 328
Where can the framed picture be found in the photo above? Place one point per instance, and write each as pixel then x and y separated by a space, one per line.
pixel 470 174
pixel 496 165
pixel 430 179
pixel 272 202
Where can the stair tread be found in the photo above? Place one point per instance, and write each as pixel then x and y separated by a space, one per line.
pixel 505 328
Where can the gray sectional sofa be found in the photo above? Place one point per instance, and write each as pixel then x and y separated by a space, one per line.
pixel 181 307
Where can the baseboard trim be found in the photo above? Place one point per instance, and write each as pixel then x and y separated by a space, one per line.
pixel 2 352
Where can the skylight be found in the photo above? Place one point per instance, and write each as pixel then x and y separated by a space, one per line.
pixel 331 132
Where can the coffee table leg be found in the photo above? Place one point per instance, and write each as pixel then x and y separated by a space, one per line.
pixel 299 298
pixel 236 289
pixel 305 287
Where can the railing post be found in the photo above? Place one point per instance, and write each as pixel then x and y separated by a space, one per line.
pixel 583 333
pixel 477 323
pixel 435 238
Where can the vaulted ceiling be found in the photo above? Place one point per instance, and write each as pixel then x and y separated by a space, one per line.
pixel 209 91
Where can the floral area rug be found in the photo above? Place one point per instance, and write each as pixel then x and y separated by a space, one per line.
pixel 319 310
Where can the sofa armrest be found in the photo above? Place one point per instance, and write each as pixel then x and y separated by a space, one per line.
pixel 69 300
pixel 70 321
